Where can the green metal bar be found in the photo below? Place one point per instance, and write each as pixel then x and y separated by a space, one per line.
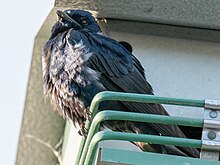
pixel 142 98
pixel 147 118
pixel 138 117
pixel 132 97
pixel 81 147
pixel 110 135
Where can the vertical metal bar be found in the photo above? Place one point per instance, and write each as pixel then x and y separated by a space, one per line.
pixel 94 128
pixel 211 130
pixel 78 157
pixel 93 110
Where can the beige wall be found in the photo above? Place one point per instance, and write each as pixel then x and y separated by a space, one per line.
pixel 178 67
pixel 38 120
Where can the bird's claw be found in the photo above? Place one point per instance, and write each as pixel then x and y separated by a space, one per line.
pixel 83 131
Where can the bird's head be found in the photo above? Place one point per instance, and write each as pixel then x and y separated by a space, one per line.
pixel 75 19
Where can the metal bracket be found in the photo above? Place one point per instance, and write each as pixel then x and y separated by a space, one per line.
pixel 211 130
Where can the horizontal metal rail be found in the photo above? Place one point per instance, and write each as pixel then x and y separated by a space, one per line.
pixel 132 97
pixel 137 117
pixel 141 98
pixel 110 135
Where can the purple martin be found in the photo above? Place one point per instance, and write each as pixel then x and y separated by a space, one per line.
pixel 78 61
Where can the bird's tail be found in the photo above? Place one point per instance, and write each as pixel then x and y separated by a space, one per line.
pixel 165 149
pixel 160 130
pixel 149 128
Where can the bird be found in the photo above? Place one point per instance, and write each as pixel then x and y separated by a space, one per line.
pixel 79 61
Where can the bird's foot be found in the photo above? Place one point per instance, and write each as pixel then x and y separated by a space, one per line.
pixel 83 131
pixel 88 116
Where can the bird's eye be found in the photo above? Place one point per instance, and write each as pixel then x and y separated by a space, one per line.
pixel 84 22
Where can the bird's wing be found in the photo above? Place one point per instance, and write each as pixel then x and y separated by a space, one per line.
pixel 109 61
pixel 121 71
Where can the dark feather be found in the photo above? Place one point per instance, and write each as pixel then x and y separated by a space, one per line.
pixel 79 63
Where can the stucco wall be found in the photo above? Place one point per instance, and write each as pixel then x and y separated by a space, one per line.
pixel 39 121
pixel 200 13
pixel 178 67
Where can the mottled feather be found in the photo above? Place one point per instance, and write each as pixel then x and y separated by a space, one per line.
pixel 78 62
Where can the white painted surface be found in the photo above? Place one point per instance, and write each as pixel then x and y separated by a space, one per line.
pixel 177 67
pixel 72 145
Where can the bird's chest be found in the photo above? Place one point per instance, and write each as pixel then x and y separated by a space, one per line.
pixel 69 76
pixel 68 62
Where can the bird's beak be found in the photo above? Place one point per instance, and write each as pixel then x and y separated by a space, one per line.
pixel 65 16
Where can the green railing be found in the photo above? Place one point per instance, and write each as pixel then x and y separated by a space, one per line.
pixel 94 137
pixel 88 147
